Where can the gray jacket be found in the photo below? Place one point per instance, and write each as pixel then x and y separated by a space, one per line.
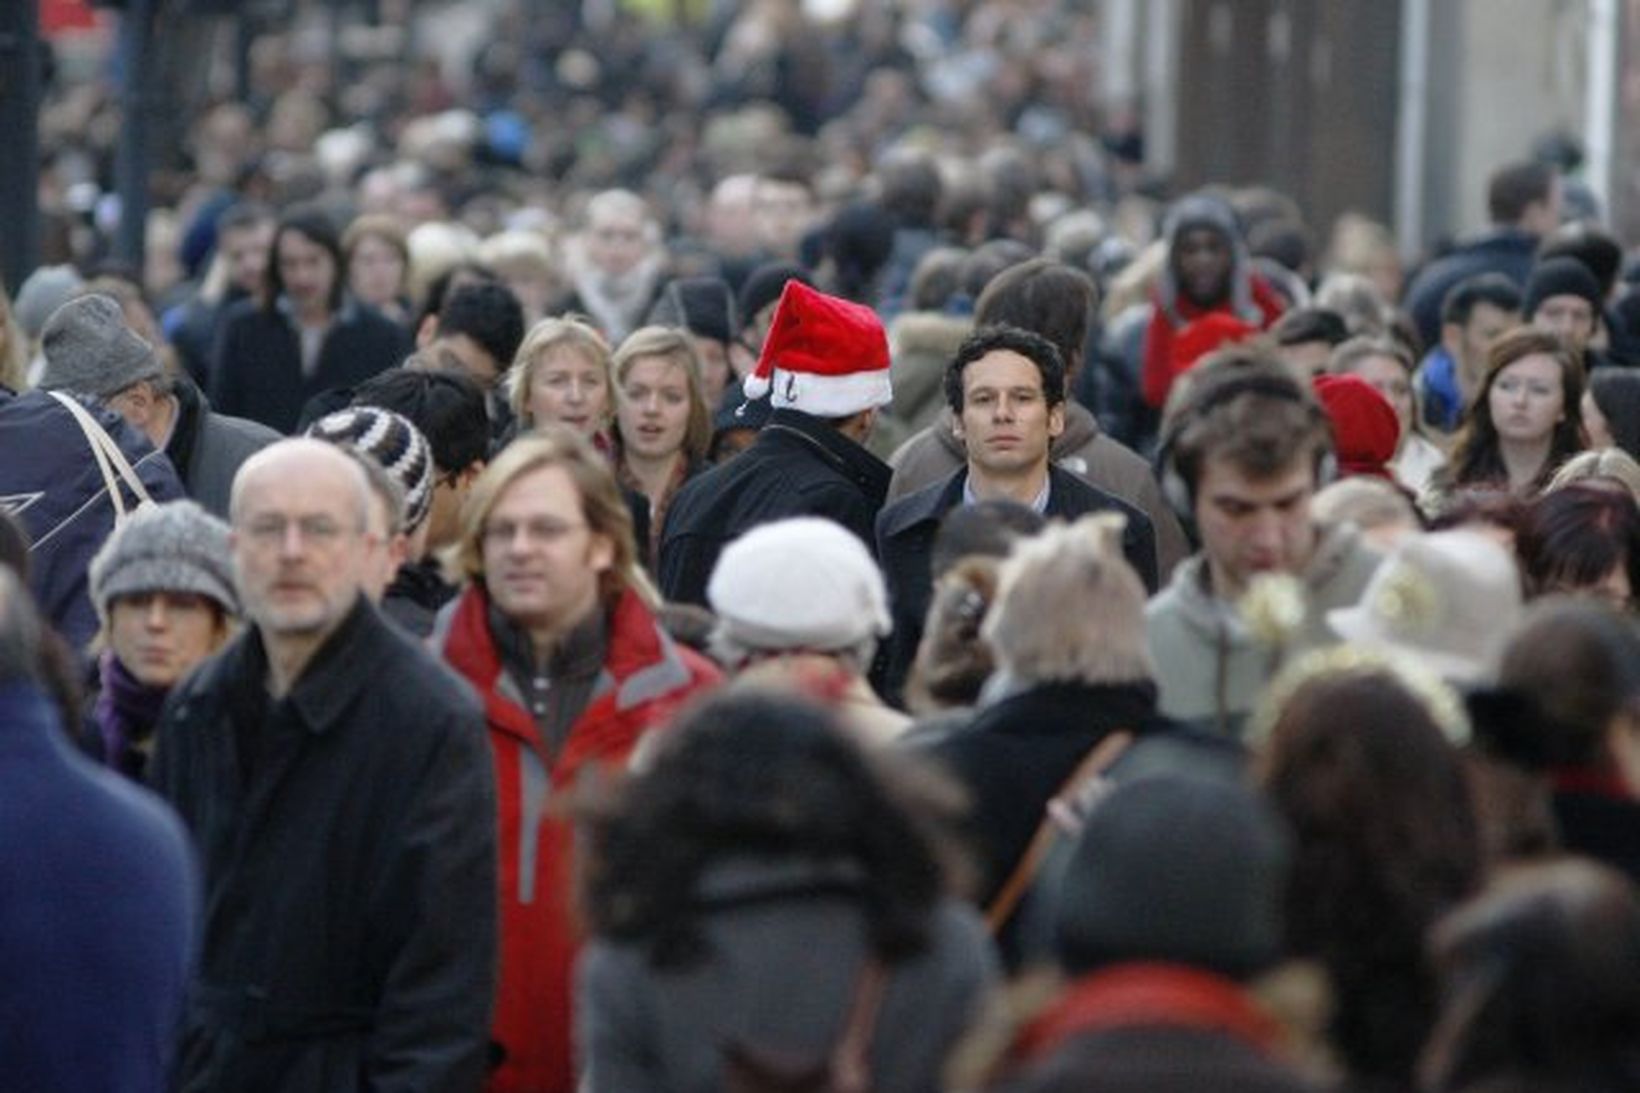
pixel 784 950
pixel 1209 666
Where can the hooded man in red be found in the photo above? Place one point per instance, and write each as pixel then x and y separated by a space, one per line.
pixel 1208 272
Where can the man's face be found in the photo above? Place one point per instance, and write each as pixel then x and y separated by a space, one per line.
pixel 1250 526
pixel 1571 317
pixel 1006 422
pixel 541 560
pixel 1201 261
pixel 307 270
pixel 1467 343
pixel 300 540
pixel 387 547
pixel 783 212
pixel 245 252
pixel 444 510
pixel 615 241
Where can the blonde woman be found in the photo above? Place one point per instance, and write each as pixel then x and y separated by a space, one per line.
pixel 662 423
pixel 562 375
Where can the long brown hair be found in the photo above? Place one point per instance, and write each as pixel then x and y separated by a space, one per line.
pixel 1477 455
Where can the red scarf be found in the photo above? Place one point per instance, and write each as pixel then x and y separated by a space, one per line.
pixel 1151 996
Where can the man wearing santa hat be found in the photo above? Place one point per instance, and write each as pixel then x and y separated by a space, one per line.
pixel 825 369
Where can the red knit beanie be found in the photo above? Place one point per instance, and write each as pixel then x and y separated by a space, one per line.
pixel 824 356
pixel 1212 331
pixel 1365 428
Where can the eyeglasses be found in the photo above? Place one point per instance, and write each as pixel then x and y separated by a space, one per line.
pixel 543 530
pixel 320 531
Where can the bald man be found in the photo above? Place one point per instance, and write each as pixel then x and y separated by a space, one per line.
pixel 337 781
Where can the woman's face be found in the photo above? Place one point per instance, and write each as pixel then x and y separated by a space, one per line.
pixel 654 407
pixel 376 273
pixel 1386 376
pixel 569 386
pixel 1595 423
pixel 1527 399
pixel 161 636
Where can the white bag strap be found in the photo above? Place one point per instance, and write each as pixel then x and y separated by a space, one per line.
pixel 108 455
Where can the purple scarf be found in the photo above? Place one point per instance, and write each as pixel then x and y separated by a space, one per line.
pixel 126 713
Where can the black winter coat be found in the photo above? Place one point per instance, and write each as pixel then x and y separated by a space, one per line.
pixel 905 547
pixel 350 868
pixel 798 466
pixel 1019 752
pixel 256 370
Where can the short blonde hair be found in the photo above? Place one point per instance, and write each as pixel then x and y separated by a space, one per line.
pixel 602 505
pixel 674 345
pixel 573 331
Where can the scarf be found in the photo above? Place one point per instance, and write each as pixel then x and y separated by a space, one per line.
pixel 126 714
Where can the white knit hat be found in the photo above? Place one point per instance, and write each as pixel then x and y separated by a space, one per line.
pixel 798 584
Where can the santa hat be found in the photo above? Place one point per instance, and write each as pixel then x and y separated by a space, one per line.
pixel 824 356
pixel 1365 428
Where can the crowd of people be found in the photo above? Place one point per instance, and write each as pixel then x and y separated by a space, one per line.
pixel 760 555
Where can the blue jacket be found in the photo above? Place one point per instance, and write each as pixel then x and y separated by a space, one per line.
pixel 99 902
pixel 49 481
pixel 1438 394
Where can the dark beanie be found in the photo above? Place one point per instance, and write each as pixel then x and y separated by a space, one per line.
pixel 1182 870
pixel 765 284
pixel 704 306
pixel 1560 277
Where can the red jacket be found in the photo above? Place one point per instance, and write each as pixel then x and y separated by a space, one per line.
pixel 646 678
pixel 1165 361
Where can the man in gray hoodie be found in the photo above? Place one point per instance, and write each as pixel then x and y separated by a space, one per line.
pixel 1245 453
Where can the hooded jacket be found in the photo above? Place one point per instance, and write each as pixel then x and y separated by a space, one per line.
pixel 645 678
pixel 922 343
pixel 1209 666
pixel 936 453
pixel 1250 297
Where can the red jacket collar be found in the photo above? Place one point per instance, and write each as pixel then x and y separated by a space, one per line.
pixel 1151 995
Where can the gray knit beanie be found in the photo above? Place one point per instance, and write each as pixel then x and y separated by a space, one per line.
pixel 1183 870
pixel 90 350
pixel 392 440
pixel 174 547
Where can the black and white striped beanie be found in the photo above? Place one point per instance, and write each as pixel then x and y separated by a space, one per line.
pixel 391 440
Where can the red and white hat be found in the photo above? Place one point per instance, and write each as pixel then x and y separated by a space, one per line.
pixel 824 356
